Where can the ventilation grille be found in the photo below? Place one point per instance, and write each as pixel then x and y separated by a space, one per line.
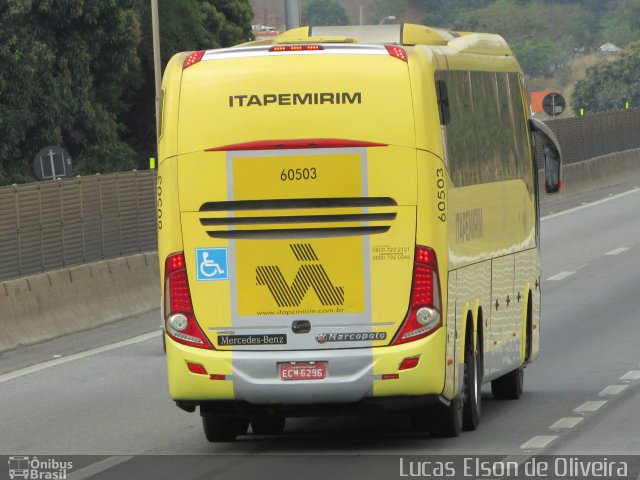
pixel 279 218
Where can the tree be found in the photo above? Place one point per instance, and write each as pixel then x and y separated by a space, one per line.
pixel 80 74
pixel 380 9
pixel 621 24
pixel 185 25
pixel 442 13
pixel 610 84
pixel 535 57
pixel 324 12
pixel 68 70
pixel 564 28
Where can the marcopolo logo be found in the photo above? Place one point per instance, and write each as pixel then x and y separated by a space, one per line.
pixel 350 337
pixel 311 274
pixel 38 469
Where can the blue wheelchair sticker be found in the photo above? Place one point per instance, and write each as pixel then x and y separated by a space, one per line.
pixel 212 264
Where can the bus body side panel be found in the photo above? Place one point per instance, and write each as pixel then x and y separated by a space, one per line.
pixel 168 204
pixel 487 230
pixel 438 350
pixel 491 212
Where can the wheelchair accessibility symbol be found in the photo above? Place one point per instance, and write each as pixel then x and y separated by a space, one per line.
pixel 212 264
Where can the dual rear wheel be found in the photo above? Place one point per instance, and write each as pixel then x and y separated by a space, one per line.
pixel 463 412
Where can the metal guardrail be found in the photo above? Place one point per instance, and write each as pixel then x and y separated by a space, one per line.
pixel 56 224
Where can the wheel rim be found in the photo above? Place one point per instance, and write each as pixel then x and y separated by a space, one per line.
pixel 476 387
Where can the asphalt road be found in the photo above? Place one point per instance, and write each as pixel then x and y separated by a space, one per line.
pixel 582 396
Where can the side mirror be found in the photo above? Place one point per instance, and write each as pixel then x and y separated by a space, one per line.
pixel 552 154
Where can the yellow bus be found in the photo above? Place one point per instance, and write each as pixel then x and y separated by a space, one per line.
pixel 348 221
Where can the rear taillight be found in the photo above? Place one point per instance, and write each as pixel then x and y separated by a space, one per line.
pixel 397 52
pixel 192 59
pixel 425 306
pixel 180 321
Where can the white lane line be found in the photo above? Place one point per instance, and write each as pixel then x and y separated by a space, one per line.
pixel 598 202
pixel 566 422
pixel 561 276
pixel 592 406
pixel 76 356
pixel 98 467
pixel 612 390
pixel 617 251
pixel 539 442
pixel 632 375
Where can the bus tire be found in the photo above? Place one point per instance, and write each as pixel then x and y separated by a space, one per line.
pixel 224 428
pixel 268 424
pixel 472 388
pixel 447 420
pixel 509 386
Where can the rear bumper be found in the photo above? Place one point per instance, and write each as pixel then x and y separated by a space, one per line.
pixel 362 407
pixel 354 376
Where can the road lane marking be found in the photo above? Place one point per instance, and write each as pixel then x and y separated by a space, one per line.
pixel 598 202
pixel 566 422
pixel 632 375
pixel 617 251
pixel 539 442
pixel 591 406
pixel 560 276
pixel 76 356
pixel 612 390
pixel 98 467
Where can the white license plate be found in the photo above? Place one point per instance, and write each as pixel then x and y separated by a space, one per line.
pixel 303 370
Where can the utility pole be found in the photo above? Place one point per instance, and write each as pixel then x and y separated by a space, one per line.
pixel 156 60
pixel 292 14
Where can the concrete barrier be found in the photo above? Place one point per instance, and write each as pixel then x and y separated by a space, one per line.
pixel 595 173
pixel 600 172
pixel 48 305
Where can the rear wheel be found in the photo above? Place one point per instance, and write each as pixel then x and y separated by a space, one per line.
pixel 472 389
pixel 509 386
pixel 224 428
pixel 268 424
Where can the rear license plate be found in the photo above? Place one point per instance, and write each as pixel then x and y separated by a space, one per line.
pixel 303 370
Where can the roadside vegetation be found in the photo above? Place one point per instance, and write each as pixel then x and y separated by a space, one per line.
pixel 79 74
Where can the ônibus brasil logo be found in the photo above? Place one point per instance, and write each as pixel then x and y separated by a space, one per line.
pixel 38 469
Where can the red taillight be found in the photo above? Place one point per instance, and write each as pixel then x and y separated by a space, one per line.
pixel 180 320
pixel 192 59
pixel 397 52
pixel 296 48
pixel 179 294
pixel 424 310
pixel 174 262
